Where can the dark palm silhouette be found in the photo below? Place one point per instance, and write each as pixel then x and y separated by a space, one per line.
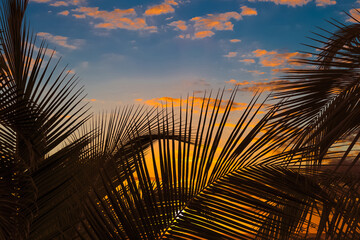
pixel 141 173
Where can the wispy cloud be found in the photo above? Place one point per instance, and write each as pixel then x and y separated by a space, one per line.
pixel 181 25
pixel 64 13
pixel 198 102
pixel 235 40
pixel 164 8
pixel 295 3
pixel 205 26
pixel 231 54
pixel 40 1
pixel 355 13
pixel 203 34
pixel 275 59
pixel 118 18
pixel 263 86
pixel 247 60
pixel 323 3
pixel 61 40
pixel 246 11
pixel 257 72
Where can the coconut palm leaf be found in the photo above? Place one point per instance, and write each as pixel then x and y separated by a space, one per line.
pixel 174 173
pixel 65 179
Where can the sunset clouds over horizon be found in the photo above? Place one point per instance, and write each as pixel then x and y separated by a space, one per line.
pixel 128 50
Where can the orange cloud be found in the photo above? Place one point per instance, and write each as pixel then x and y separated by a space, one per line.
pixel 256 72
pixel 203 34
pixel 181 25
pixel 280 70
pixel 246 11
pixel 184 36
pixel 275 59
pixel 163 8
pixel 61 40
pixel 247 61
pixel 323 3
pixel 79 16
pixel 235 40
pixel 118 18
pixel 68 3
pixel 198 102
pixel 355 13
pixel 231 81
pixel 243 83
pixel 263 86
pixel 64 13
pixel 216 21
pixel 40 1
pixel 292 3
pixel 231 54
pixel 204 26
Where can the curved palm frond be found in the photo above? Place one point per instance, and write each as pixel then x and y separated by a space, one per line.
pixel 166 180
pixel 65 179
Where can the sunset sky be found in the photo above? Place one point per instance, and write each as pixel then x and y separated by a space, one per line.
pixel 139 51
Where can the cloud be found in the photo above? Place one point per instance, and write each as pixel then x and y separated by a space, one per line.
pixel 246 11
pixel 118 18
pixel 181 25
pixel 257 72
pixel 275 59
pixel 203 34
pixel 59 4
pixel 64 13
pixel 205 26
pixel 243 83
pixel 62 3
pixel 280 70
pixel 323 3
pixel 40 1
pixel 198 102
pixel 247 61
pixel 231 54
pixel 295 3
pixel 61 40
pixel 235 40
pixel 231 81
pixel 292 3
pixel 184 36
pixel 263 86
pixel 163 8
pixel 355 13
pixel 216 21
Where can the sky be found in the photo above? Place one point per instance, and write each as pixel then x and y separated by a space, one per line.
pixel 145 52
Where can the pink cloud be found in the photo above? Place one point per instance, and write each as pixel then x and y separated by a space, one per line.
pixel 118 18
pixel 246 11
